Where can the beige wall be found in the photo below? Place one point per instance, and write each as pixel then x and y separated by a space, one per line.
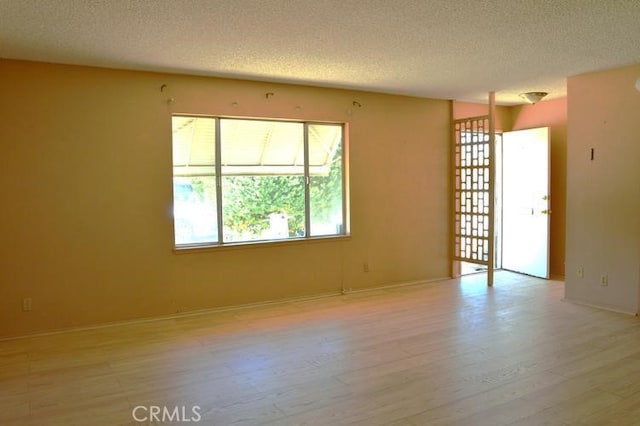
pixel 86 189
pixel 603 203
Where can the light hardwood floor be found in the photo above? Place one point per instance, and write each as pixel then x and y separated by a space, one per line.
pixel 451 353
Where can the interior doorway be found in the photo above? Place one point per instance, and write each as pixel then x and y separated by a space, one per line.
pixel 521 210
pixel 525 201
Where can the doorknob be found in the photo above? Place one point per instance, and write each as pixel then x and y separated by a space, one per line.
pixel 546 212
pixel 545 197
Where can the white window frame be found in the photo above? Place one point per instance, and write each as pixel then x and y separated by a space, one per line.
pixel 306 181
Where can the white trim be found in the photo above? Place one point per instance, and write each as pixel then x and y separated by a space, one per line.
pixel 396 285
pixel 220 309
pixel 601 307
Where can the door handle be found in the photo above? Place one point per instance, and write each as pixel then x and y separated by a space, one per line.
pixel 546 212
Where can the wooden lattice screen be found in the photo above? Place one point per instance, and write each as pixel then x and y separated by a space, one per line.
pixel 472 191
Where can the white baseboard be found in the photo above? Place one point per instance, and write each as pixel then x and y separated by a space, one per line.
pixel 219 309
pixel 602 307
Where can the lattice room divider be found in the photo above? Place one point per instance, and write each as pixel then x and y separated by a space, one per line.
pixel 474 170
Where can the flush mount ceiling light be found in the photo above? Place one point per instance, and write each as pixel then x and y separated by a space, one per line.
pixel 533 97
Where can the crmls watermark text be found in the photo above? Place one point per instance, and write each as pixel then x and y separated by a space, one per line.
pixel 156 413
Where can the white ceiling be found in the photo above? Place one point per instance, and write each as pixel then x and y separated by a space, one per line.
pixel 450 49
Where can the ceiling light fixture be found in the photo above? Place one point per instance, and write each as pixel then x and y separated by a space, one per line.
pixel 533 97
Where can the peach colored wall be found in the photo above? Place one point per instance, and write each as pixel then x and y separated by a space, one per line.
pixel 86 189
pixel 468 109
pixel 552 114
pixel 603 202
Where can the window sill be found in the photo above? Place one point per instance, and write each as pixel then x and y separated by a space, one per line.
pixel 258 244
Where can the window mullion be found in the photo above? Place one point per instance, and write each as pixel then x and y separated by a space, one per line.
pixel 307 182
pixel 218 148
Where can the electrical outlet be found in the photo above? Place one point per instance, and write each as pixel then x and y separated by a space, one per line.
pixel 27 304
pixel 365 266
pixel 604 280
pixel 580 272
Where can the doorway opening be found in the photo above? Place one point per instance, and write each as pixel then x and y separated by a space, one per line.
pixel 525 201
pixel 520 211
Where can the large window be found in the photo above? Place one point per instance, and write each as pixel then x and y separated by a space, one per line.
pixel 241 180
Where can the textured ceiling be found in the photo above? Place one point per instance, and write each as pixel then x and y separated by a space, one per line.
pixel 450 49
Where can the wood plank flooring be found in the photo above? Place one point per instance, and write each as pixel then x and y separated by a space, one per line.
pixel 450 353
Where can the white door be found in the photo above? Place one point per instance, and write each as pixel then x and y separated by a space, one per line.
pixel 525 201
